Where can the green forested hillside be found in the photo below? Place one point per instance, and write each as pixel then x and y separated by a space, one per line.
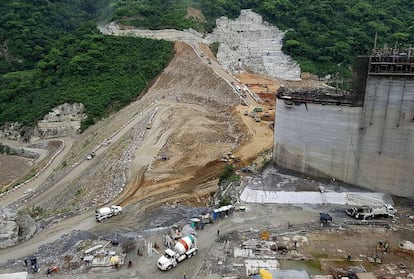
pixel 51 54
pixel 29 27
pixel 102 72
pixel 45 59
pixel 324 36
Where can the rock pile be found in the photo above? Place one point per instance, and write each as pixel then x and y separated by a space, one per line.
pixel 14 228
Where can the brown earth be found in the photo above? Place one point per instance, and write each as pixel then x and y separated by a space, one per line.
pixel 197 119
pixel 200 137
pixel 12 168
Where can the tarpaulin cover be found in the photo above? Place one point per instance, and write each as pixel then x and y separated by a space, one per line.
pixel 265 274
pixel 114 259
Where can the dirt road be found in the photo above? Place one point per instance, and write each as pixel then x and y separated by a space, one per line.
pixel 53 162
pixel 196 121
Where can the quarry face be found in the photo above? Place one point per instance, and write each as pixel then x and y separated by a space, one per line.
pixel 249 44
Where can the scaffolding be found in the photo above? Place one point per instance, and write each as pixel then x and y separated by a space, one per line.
pixel 392 61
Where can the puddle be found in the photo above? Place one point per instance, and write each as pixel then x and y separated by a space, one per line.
pixel 312 267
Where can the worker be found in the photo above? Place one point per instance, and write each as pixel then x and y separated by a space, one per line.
pixel 386 246
pixel 348 258
pixel 185 275
pixel 218 232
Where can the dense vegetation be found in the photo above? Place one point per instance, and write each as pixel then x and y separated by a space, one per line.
pixel 45 59
pixel 102 72
pixel 155 14
pixel 324 36
pixel 228 175
pixel 51 54
pixel 28 28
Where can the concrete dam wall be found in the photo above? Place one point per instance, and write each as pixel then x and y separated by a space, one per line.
pixel 370 145
pixel 319 140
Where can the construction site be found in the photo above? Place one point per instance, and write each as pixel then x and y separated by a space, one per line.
pixel 366 136
pixel 139 195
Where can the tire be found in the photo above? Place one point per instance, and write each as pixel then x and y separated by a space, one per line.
pixel 189 256
pixel 169 267
pixel 195 253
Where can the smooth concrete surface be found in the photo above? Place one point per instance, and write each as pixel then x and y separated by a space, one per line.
pixel 372 147
pixel 307 197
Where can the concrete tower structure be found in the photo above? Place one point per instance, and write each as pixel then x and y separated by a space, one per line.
pixel 364 138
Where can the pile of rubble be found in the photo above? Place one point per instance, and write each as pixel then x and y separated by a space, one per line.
pixel 78 251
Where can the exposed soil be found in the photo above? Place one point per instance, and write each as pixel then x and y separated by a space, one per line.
pixel 12 168
pixel 195 118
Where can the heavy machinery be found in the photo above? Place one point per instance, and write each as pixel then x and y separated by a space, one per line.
pixel 325 218
pixel 185 248
pixel 104 213
pixel 367 212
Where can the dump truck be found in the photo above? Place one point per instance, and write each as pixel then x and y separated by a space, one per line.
pixel 104 213
pixel 367 212
pixel 185 248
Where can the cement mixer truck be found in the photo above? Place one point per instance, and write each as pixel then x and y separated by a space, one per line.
pixel 104 213
pixel 185 248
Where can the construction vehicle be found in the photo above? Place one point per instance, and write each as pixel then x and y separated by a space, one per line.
pixel 185 248
pixel 367 212
pixel 90 156
pixel 104 213
pixel 32 263
pixel 325 218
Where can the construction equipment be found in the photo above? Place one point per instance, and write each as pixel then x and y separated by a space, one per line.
pixel 325 218
pixel 32 263
pixel 367 212
pixel 185 248
pixel 104 213
pixel 90 156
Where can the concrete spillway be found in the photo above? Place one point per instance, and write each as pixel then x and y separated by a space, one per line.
pixel 370 145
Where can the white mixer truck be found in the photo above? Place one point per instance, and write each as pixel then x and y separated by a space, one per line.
pixel 185 248
pixel 104 213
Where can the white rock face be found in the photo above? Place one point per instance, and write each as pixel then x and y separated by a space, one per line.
pixel 246 44
pixel 63 120
pixel 14 228
pixel 9 228
pixel 250 44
